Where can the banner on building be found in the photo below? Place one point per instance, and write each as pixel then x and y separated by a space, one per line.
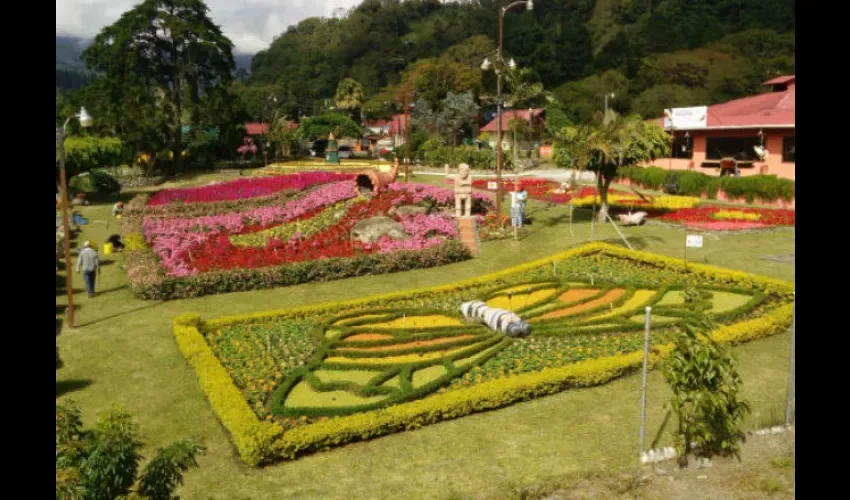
pixel 686 118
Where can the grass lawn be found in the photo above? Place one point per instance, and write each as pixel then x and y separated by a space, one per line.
pixel 124 353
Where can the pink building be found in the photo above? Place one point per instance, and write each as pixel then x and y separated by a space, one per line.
pixel 736 129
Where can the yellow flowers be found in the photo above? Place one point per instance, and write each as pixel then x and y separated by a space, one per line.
pixel 736 215
pixel 662 202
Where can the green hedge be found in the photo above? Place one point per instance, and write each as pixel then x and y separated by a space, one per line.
pixel 751 187
pixel 83 154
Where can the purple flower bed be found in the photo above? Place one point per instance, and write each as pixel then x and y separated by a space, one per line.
pixel 246 188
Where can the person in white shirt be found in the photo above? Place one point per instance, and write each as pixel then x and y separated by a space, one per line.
pixel 518 199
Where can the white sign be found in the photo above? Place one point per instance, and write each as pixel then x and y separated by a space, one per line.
pixel 492 185
pixel 694 241
pixel 686 118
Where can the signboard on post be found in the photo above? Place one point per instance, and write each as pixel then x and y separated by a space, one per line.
pixel 492 185
pixel 693 241
pixel 686 118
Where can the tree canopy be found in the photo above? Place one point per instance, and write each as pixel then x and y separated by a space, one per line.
pixel 163 64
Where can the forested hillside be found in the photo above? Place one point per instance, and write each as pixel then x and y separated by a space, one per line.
pixel 650 53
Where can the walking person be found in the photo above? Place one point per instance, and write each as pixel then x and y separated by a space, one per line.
pixel 88 264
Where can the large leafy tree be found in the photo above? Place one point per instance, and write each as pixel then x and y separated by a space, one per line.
pixel 608 143
pixel 349 96
pixel 459 111
pixel 103 463
pixel 162 54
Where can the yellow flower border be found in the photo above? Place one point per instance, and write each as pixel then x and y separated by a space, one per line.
pixel 261 442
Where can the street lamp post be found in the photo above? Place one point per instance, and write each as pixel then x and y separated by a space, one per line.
pixel 611 95
pixel 499 66
pixel 85 121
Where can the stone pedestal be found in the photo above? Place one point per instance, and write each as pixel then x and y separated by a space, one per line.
pixel 467 230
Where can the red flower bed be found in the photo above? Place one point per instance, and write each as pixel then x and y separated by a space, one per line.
pixel 246 188
pixel 704 217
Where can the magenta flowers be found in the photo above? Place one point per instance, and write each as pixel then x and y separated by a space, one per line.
pixel 246 188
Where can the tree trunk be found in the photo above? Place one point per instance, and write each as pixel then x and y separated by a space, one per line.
pixel 602 184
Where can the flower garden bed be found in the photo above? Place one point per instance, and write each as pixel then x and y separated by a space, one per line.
pixel 306 236
pixel 245 188
pixel 294 381
pixel 586 196
pixel 731 219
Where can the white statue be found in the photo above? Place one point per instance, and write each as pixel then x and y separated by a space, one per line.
pixel 463 191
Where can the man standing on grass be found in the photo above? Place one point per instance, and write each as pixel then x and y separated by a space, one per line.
pixel 88 264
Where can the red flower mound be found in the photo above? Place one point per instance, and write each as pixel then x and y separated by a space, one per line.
pixel 218 253
pixel 246 188
pixel 703 217
pixel 728 226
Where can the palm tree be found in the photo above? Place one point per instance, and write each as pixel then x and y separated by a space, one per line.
pixel 526 91
pixel 349 95
pixel 608 143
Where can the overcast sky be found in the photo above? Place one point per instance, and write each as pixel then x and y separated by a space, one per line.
pixel 250 24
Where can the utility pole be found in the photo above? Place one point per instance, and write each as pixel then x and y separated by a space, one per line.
pixel 406 136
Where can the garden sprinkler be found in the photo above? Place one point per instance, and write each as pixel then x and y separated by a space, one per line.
pixel 527 296
pixel 510 294
pixel 403 320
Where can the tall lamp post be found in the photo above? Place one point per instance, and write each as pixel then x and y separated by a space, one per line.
pixel 499 67
pixel 611 95
pixel 61 132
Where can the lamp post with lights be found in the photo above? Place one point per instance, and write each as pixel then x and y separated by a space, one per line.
pixel 498 67
pixel 61 132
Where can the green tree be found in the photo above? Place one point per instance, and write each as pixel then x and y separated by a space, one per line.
pixel 652 102
pixel 349 96
pixel 103 463
pixel 459 111
pixel 608 143
pixel 706 394
pixel 282 134
pixel 321 126
pixel 168 52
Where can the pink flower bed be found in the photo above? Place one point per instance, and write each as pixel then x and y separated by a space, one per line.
pixel 246 188
pixel 171 238
pixel 420 192
pixel 423 228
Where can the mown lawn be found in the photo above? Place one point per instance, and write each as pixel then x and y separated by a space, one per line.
pixel 124 353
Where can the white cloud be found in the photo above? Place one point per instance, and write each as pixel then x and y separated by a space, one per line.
pixel 250 24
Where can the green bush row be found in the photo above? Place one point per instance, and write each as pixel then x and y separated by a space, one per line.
pixel 750 188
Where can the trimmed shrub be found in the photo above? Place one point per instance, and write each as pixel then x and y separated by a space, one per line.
pixel 83 154
pixel 750 188
pixel 95 181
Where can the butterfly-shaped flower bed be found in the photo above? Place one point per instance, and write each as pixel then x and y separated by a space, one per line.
pixel 306 237
pixel 325 375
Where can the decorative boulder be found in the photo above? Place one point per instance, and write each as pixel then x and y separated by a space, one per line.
pixel 408 210
pixel 372 229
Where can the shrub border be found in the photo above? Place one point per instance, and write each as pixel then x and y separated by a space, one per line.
pixel 263 442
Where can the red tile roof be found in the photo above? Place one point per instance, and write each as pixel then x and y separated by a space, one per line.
pixel 507 116
pixel 773 109
pixel 257 128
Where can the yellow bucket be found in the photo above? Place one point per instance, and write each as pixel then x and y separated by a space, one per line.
pixel 118 216
pixel 107 248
